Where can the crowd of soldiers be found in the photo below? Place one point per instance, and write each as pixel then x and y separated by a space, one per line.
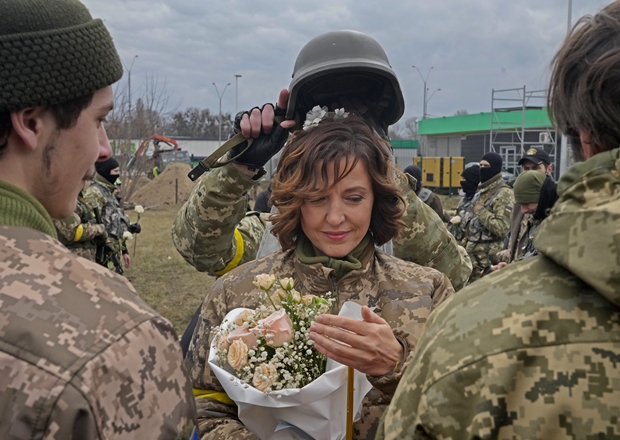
pixel 529 351
pixel 99 229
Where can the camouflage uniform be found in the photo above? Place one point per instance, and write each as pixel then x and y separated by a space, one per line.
pixel 213 232
pixel 101 192
pixel 79 231
pixel 403 293
pixel 521 242
pixel 530 351
pixel 464 211
pixel 81 355
pixel 492 207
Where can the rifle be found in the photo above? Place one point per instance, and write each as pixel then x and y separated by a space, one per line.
pixel 100 252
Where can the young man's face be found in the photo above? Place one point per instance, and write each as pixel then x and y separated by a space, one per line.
pixel 69 156
pixel 531 166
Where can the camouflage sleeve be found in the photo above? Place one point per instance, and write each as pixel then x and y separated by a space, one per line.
pixel 137 386
pixel 426 241
pixel 67 227
pixel 212 231
pixel 496 217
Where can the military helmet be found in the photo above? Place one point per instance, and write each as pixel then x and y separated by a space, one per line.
pixel 346 64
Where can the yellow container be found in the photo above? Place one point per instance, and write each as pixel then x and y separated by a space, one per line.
pixel 440 172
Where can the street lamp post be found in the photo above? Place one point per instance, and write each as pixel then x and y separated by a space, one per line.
pixel 129 88
pixel 236 100
pixel 424 80
pixel 220 96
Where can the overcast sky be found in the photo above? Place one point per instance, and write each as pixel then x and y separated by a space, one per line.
pixel 474 46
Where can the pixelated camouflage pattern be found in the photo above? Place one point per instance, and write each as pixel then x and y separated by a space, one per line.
pixel 203 231
pixel 464 211
pixel 530 351
pixel 492 207
pixel 81 355
pixel 101 192
pixel 83 215
pixel 402 292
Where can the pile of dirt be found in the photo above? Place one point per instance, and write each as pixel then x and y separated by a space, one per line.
pixel 170 187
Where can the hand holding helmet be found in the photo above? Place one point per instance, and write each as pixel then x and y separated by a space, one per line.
pixel 269 136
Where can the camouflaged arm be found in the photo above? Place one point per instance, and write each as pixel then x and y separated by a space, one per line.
pixel 90 231
pixel 426 241
pixel 218 421
pixel 496 217
pixel 204 229
pixel 67 226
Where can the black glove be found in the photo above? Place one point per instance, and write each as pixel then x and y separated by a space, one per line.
pixel 135 228
pixel 264 147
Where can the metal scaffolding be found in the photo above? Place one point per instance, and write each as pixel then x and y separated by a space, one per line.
pixel 514 129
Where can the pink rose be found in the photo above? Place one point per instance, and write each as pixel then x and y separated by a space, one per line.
pixel 264 376
pixel 238 355
pixel 245 334
pixel 277 328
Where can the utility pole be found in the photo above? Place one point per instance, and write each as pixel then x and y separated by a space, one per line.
pixel 129 90
pixel 424 80
pixel 563 165
pixel 220 96
pixel 236 96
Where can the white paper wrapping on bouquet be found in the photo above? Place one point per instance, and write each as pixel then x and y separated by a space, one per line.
pixel 316 411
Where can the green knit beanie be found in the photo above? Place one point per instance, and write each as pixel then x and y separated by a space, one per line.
pixel 52 51
pixel 527 187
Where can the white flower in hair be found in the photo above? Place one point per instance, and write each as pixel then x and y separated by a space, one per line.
pixel 314 116
pixel 340 113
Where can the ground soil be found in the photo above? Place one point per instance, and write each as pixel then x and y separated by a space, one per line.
pixel 171 187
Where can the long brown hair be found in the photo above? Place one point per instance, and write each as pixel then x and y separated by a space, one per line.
pixel 584 90
pixel 333 142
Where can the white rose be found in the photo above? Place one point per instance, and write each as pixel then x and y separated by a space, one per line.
pixel 139 209
pixel 264 281
pixel 287 283
pixel 127 235
pixel 238 354
pixel 264 376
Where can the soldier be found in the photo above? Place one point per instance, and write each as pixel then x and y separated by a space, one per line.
pixel 459 220
pixel 80 232
pixel 492 208
pixel 103 192
pixel 534 159
pixel 81 355
pixel 531 351
pixel 348 69
pixel 535 194
pixel 425 194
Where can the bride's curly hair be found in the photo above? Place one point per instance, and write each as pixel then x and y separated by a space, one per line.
pixel 340 144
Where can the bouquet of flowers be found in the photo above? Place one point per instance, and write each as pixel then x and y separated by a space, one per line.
pixel 270 347
pixel 267 364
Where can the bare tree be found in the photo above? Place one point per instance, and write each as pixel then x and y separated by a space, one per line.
pixel 407 129
pixel 461 112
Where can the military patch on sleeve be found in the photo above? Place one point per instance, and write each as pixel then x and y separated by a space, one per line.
pixel 509 209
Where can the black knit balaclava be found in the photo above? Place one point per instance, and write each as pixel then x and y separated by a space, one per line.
pixel 472 179
pixel 51 52
pixel 495 160
pixel 104 168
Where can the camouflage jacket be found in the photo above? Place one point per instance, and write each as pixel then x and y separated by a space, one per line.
pixel 403 293
pixel 101 192
pixel 214 233
pixel 463 210
pixel 530 351
pixel 81 355
pixel 78 231
pixel 492 207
